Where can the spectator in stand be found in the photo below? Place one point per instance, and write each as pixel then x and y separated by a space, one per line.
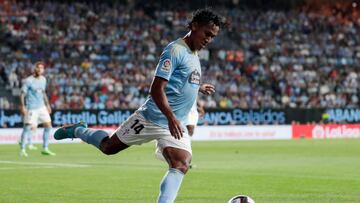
pixel 306 58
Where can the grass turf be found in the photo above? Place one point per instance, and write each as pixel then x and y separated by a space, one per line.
pixel 268 171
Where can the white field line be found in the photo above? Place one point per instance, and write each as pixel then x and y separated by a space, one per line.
pixel 27 167
pixel 52 165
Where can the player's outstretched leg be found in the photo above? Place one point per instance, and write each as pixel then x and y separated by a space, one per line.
pixel 80 130
pixel 99 138
pixel 68 131
pixel 179 161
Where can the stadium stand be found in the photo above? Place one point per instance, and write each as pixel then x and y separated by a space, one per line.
pixel 102 55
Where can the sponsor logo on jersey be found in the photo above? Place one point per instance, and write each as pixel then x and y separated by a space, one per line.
pixel 194 77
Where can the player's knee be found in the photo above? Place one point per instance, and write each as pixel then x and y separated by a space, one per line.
pixel 182 166
pixel 107 148
pixel 47 125
pixel 112 145
pixel 33 127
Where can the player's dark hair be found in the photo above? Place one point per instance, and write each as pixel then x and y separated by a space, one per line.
pixel 206 16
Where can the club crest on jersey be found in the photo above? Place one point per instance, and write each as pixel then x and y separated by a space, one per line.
pixel 194 77
pixel 166 67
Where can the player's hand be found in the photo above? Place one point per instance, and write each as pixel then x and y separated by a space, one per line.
pixel 175 128
pixel 48 109
pixel 207 89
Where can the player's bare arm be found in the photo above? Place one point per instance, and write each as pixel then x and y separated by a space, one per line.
pixel 200 109
pixel 157 92
pixel 23 109
pixel 46 101
pixel 207 89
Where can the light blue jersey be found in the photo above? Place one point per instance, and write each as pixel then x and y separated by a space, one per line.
pixel 34 89
pixel 181 68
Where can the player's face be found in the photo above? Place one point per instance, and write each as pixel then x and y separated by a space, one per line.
pixel 204 34
pixel 39 69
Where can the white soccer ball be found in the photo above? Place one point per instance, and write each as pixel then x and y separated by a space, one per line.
pixel 241 199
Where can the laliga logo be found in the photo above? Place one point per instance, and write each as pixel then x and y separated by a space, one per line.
pixel 318 132
pixel 336 131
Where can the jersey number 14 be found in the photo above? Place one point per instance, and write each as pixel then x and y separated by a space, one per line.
pixel 137 127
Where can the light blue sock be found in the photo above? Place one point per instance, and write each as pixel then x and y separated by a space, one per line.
pixel 91 136
pixel 25 133
pixel 46 138
pixel 170 185
pixel 29 139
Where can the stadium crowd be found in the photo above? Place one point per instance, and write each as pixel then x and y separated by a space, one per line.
pixel 102 55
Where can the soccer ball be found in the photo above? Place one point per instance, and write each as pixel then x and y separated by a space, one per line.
pixel 241 199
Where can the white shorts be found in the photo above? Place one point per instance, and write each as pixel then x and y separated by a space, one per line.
pixel 136 130
pixel 37 116
pixel 193 117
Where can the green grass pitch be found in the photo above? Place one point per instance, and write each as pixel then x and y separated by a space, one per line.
pixel 268 171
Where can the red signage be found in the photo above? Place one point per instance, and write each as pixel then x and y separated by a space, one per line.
pixel 326 131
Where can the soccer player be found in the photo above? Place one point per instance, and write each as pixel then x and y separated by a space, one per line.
pixel 162 117
pixel 35 108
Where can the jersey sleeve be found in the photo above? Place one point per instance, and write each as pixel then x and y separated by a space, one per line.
pixel 25 86
pixel 169 60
